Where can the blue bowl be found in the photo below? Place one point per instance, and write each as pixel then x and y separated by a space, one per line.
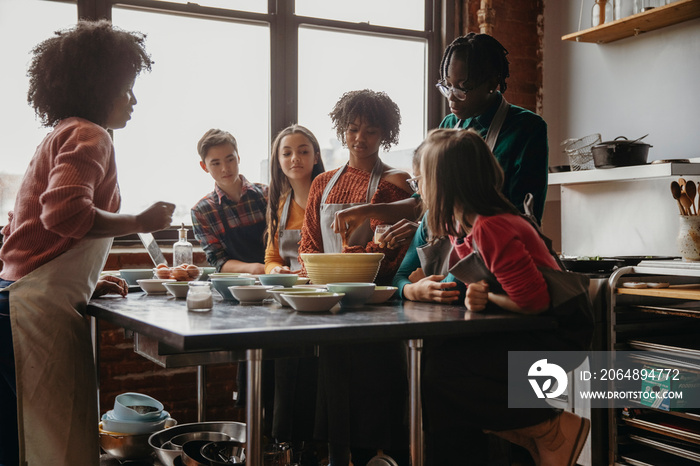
pixel 278 279
pixel 221 285
pixel 356 294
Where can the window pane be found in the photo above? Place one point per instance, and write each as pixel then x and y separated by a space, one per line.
pixel 23 24
pixel 254 6
pixel 202 78
pixel 406 14
pixel 352 62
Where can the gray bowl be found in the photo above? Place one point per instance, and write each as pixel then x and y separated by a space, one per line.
pixel 235 430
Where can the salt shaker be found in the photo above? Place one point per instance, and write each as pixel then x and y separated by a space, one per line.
pixel 199 297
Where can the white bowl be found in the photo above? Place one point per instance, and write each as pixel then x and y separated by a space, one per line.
pixel 344 267
pixel 303 280
pixel 228 274
pixel 278 279
pixel 222 284
pixel 314 301
pixel 250 293
pixel 177 289
pixel 112 424
pixel 356 294
pixel 132 275
pixel 154 285
pixel 277 293
pixel 381 294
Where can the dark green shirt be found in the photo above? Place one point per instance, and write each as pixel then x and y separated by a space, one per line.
pixel 521 149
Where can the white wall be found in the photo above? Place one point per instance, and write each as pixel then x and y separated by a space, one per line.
pixel 644 84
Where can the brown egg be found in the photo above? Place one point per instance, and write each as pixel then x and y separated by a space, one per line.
pixel 163 273
pixel 179 274
pixel 193 271
pixel 162 266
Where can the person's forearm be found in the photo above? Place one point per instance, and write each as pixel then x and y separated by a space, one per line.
pixel 236 266
pixel 504 302
pixel 107 224
pixel 394 211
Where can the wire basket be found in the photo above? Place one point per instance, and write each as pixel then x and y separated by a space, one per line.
pixel 579 151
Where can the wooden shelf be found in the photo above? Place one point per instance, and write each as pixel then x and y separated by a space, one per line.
pixel 687 292
pixel 646 21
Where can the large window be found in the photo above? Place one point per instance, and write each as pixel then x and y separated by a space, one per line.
pixel 241 66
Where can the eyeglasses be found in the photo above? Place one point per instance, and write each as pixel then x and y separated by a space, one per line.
pixel 459 93
pixel 413 183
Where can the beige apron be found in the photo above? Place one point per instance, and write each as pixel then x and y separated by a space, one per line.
pixel 332 242
pixel 56 379
pixel 288 239
pixel 435 257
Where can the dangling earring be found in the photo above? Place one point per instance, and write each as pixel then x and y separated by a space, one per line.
pixel 491 91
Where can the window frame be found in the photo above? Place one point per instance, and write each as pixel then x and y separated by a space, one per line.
pixel 284 46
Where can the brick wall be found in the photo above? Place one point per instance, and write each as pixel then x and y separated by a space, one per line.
pixel 517 24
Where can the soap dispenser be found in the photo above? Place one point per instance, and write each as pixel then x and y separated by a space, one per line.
pixel 182 250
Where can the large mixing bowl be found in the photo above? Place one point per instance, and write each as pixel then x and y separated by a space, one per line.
pixel 348 267
pixel 158 440
pixel 128 446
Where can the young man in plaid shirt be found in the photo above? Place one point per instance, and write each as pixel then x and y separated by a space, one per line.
pixel 230 221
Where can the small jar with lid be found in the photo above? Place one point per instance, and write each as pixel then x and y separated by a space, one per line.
pixel 199 297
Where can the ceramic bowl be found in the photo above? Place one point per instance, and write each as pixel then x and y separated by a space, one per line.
pixel 222 284
pixel 314 301
pixel 177 289
pixel 250 293
pixel 277 293
pixel 381 294
pixel 303 280
pixel 206 272
pixel 112 424
pixel 154 285
pixel 228 274
pixel 336 268
pixel 132 406
pixel 160 441
pixel 356 294
pixel 131 275
pixel 278 279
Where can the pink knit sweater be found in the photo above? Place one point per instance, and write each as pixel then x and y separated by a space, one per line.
pixel 72 172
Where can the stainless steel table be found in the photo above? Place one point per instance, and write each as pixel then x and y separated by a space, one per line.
pixel 232 326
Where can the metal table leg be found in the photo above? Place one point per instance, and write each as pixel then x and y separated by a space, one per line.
pixel 415 348
pixel 95 336
pixel 254 407
pixel 201 393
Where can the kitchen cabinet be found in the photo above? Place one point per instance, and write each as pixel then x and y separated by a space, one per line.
pixel 646 21
pixel 665 324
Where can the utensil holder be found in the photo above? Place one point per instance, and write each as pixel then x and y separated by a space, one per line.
pixel 688 240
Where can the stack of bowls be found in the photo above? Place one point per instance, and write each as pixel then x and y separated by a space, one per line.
pixel 336 268
pixel 124 430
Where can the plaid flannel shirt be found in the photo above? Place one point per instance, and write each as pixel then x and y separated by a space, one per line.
pixel 207 221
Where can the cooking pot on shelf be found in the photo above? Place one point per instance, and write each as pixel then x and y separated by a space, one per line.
pixel 620 152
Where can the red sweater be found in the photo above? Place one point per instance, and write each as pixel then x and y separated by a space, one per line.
pixel 512 250
pixel 72 173
pixel 351 187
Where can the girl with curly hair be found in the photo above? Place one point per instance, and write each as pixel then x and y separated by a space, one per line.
pixel 363 390
pixel 57 240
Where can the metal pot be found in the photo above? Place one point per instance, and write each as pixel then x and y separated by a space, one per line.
pixel 620 153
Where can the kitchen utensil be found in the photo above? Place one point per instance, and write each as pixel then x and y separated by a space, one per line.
pixel 691 190
pixel 154 251
pixel 676 192
pixel 579 151
pixel 620 152
pixel 191 453
pixel 688 241
pixel 342 267
pixel 235 430
pixel 356 294
pixel 224 453
pixel 685 200
pixel 278 279
pixel 180 440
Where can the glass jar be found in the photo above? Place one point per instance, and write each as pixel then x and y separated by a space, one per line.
pixel 182 250
pixel 602 12
pixel 645 5
pixel 199 297
pixel 622 9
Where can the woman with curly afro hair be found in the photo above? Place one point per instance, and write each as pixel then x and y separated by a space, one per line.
pixel 362 394
pixel 56 243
